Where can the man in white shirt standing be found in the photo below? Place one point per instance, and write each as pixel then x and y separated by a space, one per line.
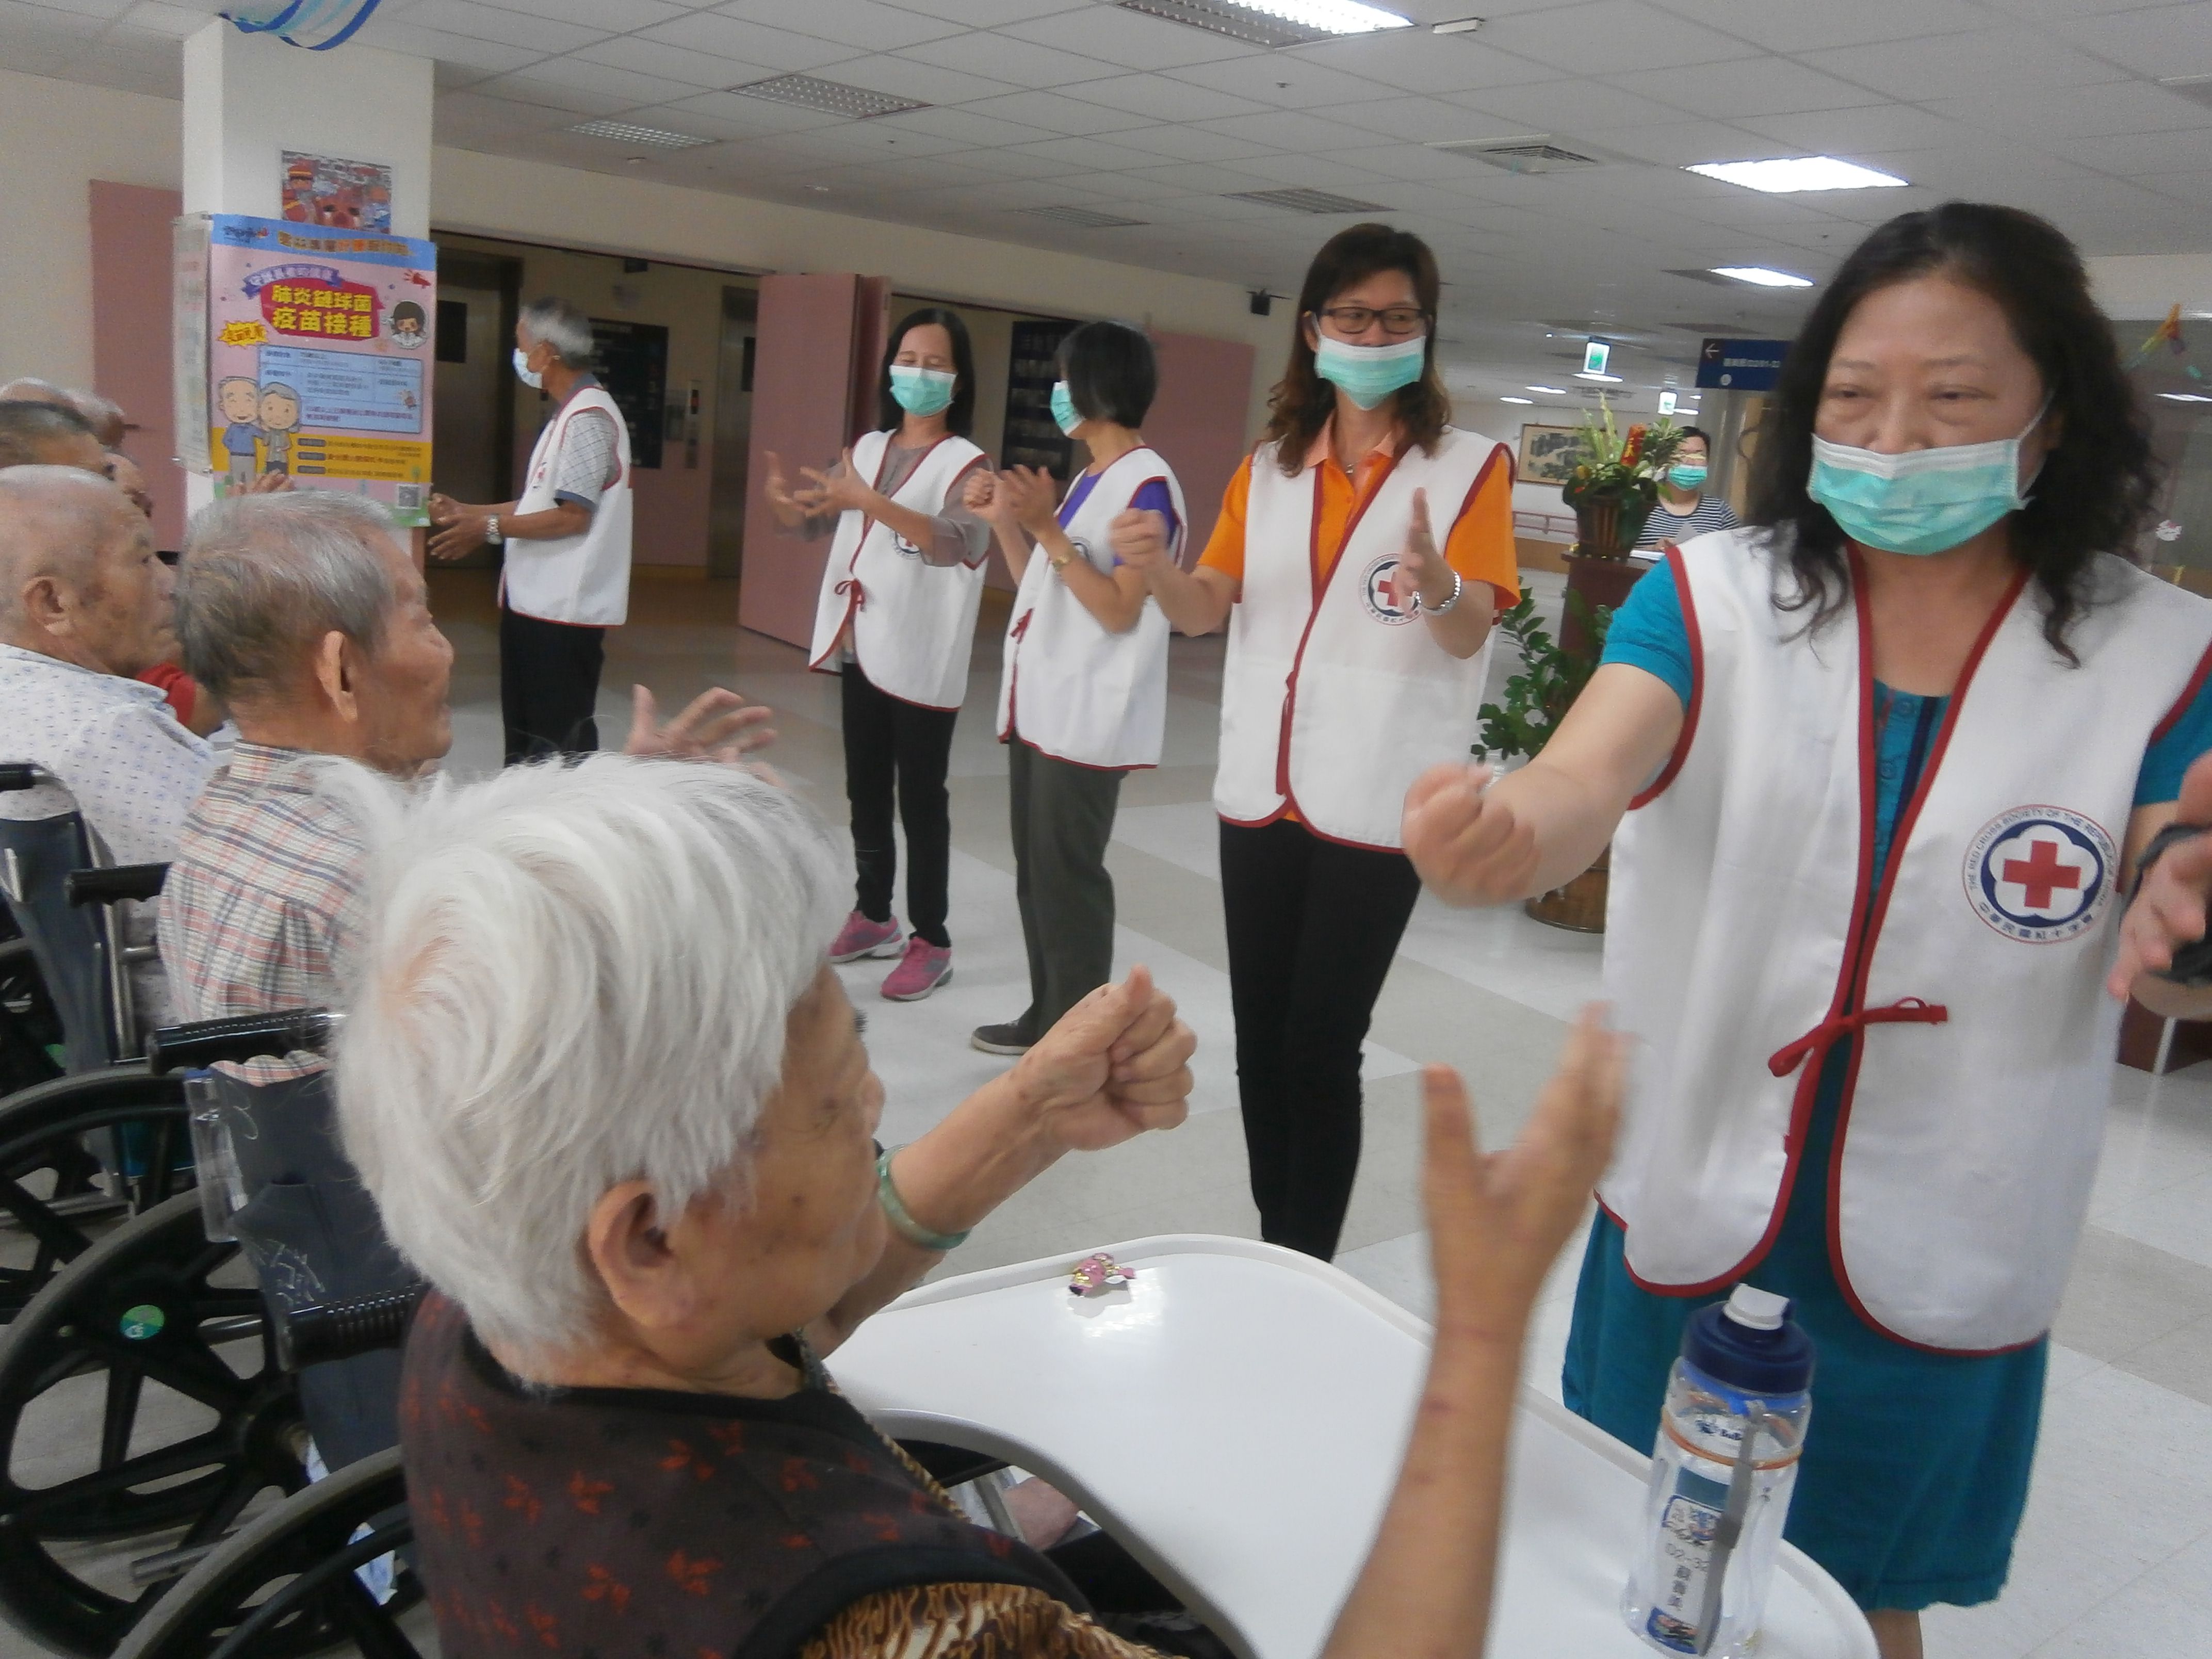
pixel 86 604
pixel 566 579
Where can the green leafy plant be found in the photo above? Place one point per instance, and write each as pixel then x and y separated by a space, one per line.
pixel 1551 678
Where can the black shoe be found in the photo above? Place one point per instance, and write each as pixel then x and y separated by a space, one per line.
pixel 1011 1038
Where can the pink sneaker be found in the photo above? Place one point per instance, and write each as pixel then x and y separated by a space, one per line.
pixel 921 970
pixel 859 938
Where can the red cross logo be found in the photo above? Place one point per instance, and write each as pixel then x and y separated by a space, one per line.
pixel 2041 873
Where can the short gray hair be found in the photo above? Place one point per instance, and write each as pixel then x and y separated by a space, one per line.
pixel 556 323
pixel 571 976
pixel 264 577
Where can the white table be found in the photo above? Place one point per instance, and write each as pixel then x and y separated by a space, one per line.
pixel 1236 1418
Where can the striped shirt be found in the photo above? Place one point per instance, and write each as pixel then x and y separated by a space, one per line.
pixel 1708 514
pixel 262 902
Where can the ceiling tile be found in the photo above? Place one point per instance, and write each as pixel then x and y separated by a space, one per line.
pixel 503 114
pixel 1291 130
pixel 1761 86
pixel 133 61
pixel 2159 40
pixel 1414 161
pixel 2193 188
pixel 1611 36
pixel 509 28
pixel 758 114
pixel 172 22
pixel 1016 62
pixel 903 77
pixel 2132 155
pixel 1054 113
pixel 1416 61
pixel 865 24
pixel 617 16
pixel 693 69
pixel 1944 65
pixel 2098 112
pixel 526 88
pixel 25 14
pixel 749 43
pixel 964 127
pixel 989 14
pixel 1203 178
pixel 1283 79
pixel 868 140
pixel 1013 164
pixel 1186 143
pixel 1849 133
pixel 1806 25
pixel 1166 100
pixel 1422 120
pixel 1324 172
pixel 605 79
pixel 1679 144
pixel 1090 155
pixel 1560 106
pixel 1130 38
pixel 483 56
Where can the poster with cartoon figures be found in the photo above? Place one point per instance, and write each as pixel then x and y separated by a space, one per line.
pixel 318 359
pixel 321 189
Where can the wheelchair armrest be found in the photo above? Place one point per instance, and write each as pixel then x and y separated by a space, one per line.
pixel 243 1037
pixel 121 881
pixel 340 1330
pixel 19 774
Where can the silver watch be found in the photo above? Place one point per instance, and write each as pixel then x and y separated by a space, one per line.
pixel 1458 586
pixel 492 535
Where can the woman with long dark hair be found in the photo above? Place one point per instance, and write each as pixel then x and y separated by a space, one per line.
pixel 1877 771
pixel 1361 554
pixel 896 620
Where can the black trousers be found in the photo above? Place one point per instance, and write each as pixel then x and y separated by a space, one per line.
pixel 1312 928
pixel 549 684
pixel 1062 818
pixel 889 742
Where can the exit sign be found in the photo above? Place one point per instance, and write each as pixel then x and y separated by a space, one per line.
pixel 1595 353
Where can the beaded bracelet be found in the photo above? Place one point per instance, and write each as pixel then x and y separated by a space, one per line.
pixel 894 1211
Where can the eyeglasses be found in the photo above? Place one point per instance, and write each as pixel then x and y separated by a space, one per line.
pixel 1357 320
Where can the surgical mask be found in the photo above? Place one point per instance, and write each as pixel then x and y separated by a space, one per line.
pixel 1370 374
pixel 1925 501
pixel 922 391
pixel 1686 477
pixel 1063 408
pixel 524 372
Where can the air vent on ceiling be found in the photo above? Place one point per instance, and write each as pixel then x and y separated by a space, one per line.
pixel 1533 152
pixel 1238 22
pixel 1083 217
pixel 831 97
pixel 1307 201
pixel 2197 87
pixel 623 133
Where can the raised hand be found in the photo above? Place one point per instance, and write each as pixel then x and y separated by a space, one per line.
pixel 841 489
pixel 1113 1067
pixel 1032 495
pixel 790 511
pixel 2168 911
pixel 982 497
pixel 462 527
pixel 718 725
pixel 1139 538
pixel 1469 849
pixel 1421 572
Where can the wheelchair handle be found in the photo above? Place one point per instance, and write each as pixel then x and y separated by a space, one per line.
pixel 341 1330
pixel 18 776
pixel 242 1037
pixel 120 881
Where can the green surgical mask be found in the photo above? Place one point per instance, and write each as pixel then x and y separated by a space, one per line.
pixel 922 391
pixel 1924 500
pixel 1686 476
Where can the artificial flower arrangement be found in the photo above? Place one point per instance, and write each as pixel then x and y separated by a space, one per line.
pixel 1614 484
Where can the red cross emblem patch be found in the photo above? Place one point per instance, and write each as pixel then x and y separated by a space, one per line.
pixel 2040 874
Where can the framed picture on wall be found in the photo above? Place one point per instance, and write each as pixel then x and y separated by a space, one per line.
pixel 1547 453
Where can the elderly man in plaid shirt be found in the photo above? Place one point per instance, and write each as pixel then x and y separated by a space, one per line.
pixel 304 613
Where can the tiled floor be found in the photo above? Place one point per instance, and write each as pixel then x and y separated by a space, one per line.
pixel 2116 1556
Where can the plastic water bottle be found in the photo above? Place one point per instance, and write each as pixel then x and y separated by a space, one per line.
pixel 1726 1462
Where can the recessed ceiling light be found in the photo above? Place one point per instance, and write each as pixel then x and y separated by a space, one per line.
pixel 1550 391
pixel 1307 201
pixel 1272 22
pixel 1517 400
pixel 2185 398
pixel 1085 218
pixel 830 97
pixel 1610 380
pixel 623 132
pixel 1762 276
pixel 1786 173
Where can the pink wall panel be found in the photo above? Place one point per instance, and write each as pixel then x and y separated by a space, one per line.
pixel 802 376
pixel 130 336
pixel 1197 420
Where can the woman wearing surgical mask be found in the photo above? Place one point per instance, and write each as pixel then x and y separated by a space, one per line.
pixel 1876 773
pixel 1360 556
pixel 1684 510
pixel 895 621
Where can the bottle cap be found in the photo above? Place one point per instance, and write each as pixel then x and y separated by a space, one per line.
pixel 1750 1344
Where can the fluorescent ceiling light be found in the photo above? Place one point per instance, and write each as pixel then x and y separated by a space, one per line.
pixel 1082 217
pixel 1610 380
pixel 1793 172
pixel 1272 22
pixel 623 133
pixel 2185 398
pixel 1549 390
pixel 1517 400
pixel 830 97
pixel 1762 276
pixel 1298 200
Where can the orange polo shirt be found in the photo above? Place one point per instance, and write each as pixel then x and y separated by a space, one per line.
pixel 1479 545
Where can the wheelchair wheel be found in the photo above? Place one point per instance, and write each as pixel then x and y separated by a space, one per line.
pixel 141 1413
pixel 30 1031
pixel 53 1191
pixel 287 1585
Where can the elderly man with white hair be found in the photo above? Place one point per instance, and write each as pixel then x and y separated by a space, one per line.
pixel 85 605
pixel 567 541
pixel 615 1105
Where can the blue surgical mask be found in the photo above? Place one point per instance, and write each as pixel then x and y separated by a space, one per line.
pixel 1370 373
pixel 523 371
pixel 1686 477
pixel 922 391
pixel 1925 501
pixel 1063 408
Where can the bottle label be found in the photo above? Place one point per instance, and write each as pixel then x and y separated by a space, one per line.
pixel 1683 1560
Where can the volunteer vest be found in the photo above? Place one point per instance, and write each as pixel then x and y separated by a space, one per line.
pixel 1072 690
pixel 913 623
pixel 1334 697
pixel 583 579
pixel 632 1522
pixel 1746 936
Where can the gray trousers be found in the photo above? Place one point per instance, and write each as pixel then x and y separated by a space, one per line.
pixel 1063 815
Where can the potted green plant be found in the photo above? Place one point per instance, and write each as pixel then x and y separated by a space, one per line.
pixel 1552 675
pixel 1613 486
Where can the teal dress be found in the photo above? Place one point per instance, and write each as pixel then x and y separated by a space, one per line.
pixel 1915 1468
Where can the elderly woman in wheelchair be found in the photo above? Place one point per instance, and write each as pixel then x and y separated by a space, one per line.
pixel 616 1107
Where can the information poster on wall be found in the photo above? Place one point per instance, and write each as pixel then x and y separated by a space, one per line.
pixel 317 344
pixel 322 190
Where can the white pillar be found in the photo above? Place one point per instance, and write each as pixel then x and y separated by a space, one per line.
pixel 249 98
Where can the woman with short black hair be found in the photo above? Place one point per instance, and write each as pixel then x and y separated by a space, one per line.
pixel 1084 696
pixel 1684 509
pixel 896 621
pixel 1875 773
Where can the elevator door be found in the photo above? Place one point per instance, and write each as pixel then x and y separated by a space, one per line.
pixel 734 425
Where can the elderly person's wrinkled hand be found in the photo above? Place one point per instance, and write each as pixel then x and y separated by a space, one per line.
pixel 1115 1066
pixel 717 724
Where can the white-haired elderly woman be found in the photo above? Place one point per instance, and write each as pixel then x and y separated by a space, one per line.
pixel 615 1105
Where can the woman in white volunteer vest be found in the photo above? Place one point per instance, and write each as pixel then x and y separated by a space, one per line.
pixel 565 578
pixel 1360 555
pixel 1084 695
pixel 896 621
pixel 1874 771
